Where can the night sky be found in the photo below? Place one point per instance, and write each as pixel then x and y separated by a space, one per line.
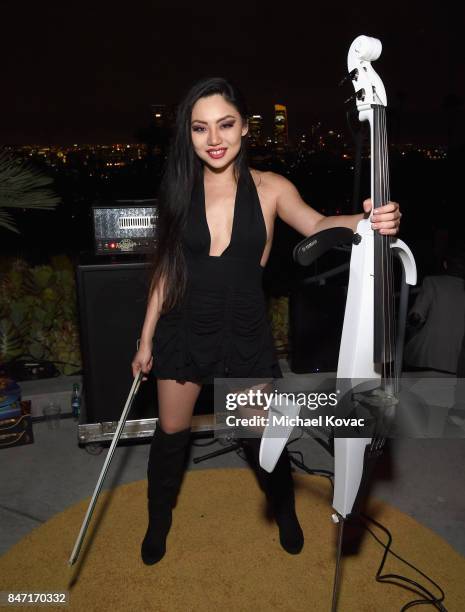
pixel 73 72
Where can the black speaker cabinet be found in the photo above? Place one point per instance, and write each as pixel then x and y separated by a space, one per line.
pixel 316 315
pixel 112 303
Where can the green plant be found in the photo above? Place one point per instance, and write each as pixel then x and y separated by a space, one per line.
pixel 22 186
pixel 38 315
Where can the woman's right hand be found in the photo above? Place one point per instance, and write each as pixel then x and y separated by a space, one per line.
pixel 143 360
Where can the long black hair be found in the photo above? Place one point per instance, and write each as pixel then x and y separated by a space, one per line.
pixel 183 168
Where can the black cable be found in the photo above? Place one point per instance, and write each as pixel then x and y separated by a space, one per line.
pixel 436 602
pixel 320 472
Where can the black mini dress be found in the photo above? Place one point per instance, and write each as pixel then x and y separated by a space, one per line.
pixel 221 327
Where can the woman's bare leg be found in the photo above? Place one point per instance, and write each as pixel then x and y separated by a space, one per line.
pixel 176 403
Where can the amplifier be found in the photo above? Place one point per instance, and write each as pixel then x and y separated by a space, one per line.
pixel 125 226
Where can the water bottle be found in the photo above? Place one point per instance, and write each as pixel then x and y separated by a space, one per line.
pixel 76 402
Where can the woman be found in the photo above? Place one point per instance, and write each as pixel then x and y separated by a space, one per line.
pixel 206 301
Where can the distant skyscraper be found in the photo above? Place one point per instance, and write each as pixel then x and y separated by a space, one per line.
pixel 162 115
pixel 281 137
pixel 157 134
pixel 315 136
pixel 159 114
pixel 256 130
pixel 303 143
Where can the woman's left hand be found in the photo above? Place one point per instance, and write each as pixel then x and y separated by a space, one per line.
pixel 385 219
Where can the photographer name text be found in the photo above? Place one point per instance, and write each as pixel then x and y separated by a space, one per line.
pixel 280 420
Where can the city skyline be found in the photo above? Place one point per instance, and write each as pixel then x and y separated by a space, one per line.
pixel 118 155
pixel 89 74
pixel 264 122
pixel 412 128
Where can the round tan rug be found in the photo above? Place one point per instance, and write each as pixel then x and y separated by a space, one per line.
pixel 223 553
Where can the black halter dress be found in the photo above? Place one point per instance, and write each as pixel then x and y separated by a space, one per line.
pixel 221 327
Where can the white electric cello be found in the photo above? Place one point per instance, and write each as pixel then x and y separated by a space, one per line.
pixel 368 343
pixel 367 350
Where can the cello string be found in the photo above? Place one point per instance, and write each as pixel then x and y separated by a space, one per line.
pixel 382 196
pixel 394 320
pixel 387 272
pixel 381 242
pixel 393 317
pixel 388 251
pixel 379 196
pixel 381 268
pixel 378 253
pixel 385 247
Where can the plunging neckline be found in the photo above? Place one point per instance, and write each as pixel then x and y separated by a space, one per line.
pixel 204 207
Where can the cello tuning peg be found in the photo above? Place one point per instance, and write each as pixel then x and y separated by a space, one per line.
pixel 352 97
pixel 352 76
pixel 359 95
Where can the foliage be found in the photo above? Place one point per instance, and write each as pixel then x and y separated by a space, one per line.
pixel 38 315
pixel 22 186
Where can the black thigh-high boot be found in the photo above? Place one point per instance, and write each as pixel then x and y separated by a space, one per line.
pixel 165 470
pixel 279 490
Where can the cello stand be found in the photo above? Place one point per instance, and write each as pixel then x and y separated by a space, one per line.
pixel 337 518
